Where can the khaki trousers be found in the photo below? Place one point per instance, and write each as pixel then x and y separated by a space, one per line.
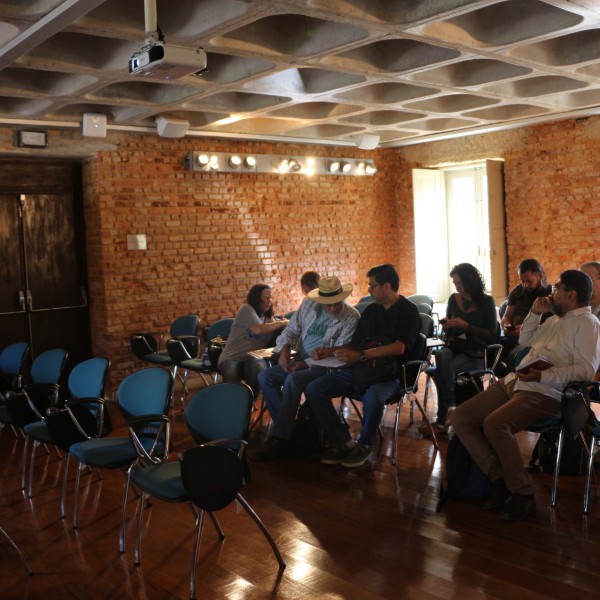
pixel 486 425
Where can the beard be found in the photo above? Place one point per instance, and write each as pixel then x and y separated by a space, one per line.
pixel 556 309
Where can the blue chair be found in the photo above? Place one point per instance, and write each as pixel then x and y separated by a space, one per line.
pixel 367 298
pixel 11 365
pixel 220 328
pixel 30 402
pixel 210 476
pixel 421 298
pixel 143 393
pixel 86 380
pixel 360 307
pixel 147 347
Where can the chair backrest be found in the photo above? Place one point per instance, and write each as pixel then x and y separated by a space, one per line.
pixel 502 308
pixel 419 350
pixel 424 308
pixel 212 476
pixel 220 328
pixel 11 358
pixel 427 325
pixel 86 380
pixel 186 325
pixel 367 298
pixel 47 367
pixel 145 392
pixel 360 307
pixel 220 412
pixel 424 298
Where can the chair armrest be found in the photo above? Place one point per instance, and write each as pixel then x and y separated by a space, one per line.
pixel 97 407
pixel 410 383
pixel 157 427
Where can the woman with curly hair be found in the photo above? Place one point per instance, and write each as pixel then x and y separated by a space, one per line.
pixel 252 329
pixel 470 325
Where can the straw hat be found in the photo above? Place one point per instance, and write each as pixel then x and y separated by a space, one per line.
pixel 330 291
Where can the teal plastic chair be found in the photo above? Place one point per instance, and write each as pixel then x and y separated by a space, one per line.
pixel 11 365
pixel 31 401
pixel 86 381
pixel 210 476
pixel 143 393
pixel 147 347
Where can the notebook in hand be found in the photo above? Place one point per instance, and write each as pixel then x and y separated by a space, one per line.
pixel 541 363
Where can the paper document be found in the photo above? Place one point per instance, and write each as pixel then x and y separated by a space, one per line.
pixel 262 353
pixel 332 362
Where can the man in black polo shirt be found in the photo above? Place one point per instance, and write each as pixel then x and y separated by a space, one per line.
pixel 396 322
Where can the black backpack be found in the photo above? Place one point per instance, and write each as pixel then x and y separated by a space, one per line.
pixel 464 478
pixel 306 437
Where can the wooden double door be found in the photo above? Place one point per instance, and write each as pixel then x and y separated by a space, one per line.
pixel 43 296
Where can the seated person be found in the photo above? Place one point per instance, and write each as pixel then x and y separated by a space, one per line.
pixel 252 329
pixel 309 281
pixel 391 317
pixel 470 325
pixel 323 322
pixel 487 423
pixel 593 270
pixel 521 297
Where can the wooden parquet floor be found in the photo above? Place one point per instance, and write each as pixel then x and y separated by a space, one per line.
pixel 364 534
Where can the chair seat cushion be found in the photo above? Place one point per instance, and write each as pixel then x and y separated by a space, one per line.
pixel 193 364
pixel 162 481
pixel 109 453
pixel 159 358
pixel 39 431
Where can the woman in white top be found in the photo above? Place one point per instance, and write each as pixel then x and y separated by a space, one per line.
pixel 252 329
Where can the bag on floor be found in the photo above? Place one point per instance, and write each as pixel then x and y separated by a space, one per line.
pixel 466 386
pixel 306 437
pixel 464 478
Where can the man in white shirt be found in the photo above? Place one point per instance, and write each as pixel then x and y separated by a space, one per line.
pixel 487 423
pixel 592 268
pixel 322 323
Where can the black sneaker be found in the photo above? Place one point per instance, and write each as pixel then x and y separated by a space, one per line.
pixel 500 495
pixel 519 507
pixel 276 448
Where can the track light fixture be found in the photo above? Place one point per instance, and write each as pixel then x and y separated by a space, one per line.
pixel 290 165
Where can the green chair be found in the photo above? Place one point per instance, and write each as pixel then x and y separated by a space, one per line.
pixel 209 476
pixel 141 394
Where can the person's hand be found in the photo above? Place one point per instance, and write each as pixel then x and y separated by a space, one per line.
pixel 530 375
pixel 541 305
pixel 513 331
pixel 284 361
pixel 296 365
pixel 347 356
pixel 319 353
pixel 455 323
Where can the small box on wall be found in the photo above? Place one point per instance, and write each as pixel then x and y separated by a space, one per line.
pixel 29 138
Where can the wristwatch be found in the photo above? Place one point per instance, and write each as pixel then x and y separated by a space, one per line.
pixel 363 357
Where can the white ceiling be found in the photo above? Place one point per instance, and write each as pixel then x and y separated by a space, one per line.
pixel 315 71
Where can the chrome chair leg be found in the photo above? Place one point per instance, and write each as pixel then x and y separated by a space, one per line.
pixel 264 529
pixel 588 476
pixel 199 526
pixel 24 462
pixel 17 550
pixel 138 541
pixel 63 495
pixel 554 490
pixel 124 511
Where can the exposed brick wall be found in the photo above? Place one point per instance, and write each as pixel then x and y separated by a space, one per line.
pixel 213 235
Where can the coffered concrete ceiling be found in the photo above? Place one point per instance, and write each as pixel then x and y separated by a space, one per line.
pixel 314 71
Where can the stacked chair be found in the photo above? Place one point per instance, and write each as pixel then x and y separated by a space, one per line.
pixel 85 386
pixel 209 476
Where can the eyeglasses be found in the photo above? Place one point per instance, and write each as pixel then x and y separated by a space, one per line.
pixel 559 286
pixel 372 286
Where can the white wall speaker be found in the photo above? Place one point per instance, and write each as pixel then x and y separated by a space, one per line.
pixel 367 141
pixel 171 128
pixel 94 125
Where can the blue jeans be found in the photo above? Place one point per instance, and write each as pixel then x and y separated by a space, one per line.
pixel 319 394
pixel 448 366
pixel 243 370
pixel 282 393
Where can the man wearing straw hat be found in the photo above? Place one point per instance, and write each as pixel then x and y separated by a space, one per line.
pixel 322 323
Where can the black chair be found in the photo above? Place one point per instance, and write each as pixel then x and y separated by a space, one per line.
pixel 408 382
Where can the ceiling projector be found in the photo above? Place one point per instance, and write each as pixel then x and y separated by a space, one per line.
pixel 164 61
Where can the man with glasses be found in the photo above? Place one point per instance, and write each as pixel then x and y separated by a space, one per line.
pixel 390 318
pixel 487 423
